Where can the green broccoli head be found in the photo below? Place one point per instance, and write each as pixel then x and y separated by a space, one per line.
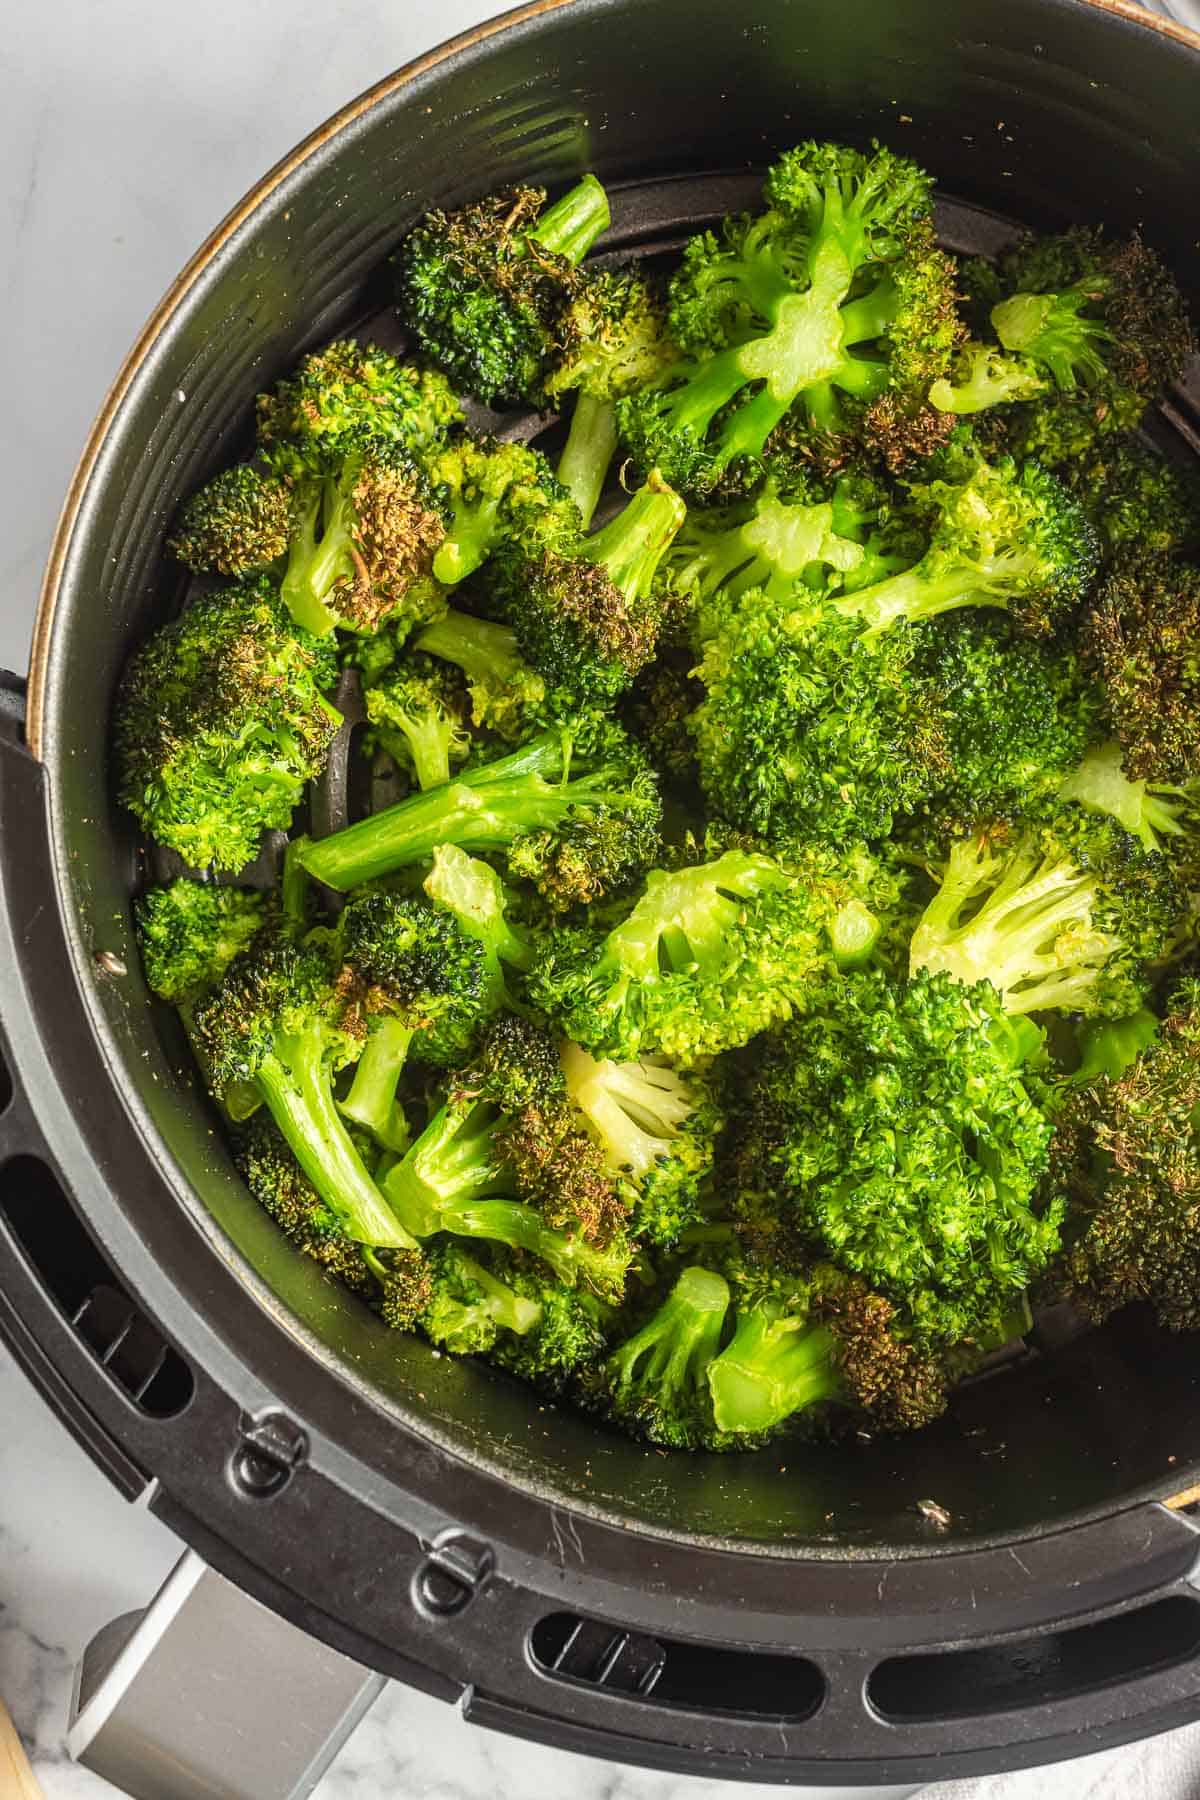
pixel 284 1191
pixel 485 289
pixel 613 337
pixel 418 710
pixel 1136 497
pixel 1142 638
pixel 348 394
pixel 898 1129
pixel 240 521
pixel 492 494
pixel 220 722
pixel 655 1383
pixel 190 931
pixel 1128 1161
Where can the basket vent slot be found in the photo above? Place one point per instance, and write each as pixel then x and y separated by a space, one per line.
pixel 122 1340
pixel 6 1086
pixel 961 1684
pixel 669 1672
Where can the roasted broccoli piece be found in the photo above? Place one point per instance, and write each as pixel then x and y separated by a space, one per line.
pixel 1163 816
pixel 1063 916
pixel 284 1020
pixel 1142 637
pixel 475 894
pixel 417 710
pixel 240 521
pixel 708 957
pixel 1127 1158
pixel 586 830
pixel 775 541
pixel 350 394
pixel 220 722
pixel 485 289
pixel 897 1128
pixel 492 494
pixel 1136 498
pixel 655 1383
pixel 806 317
pixel 587 616
pixel 658 1131
pixel 190 931
pixel 283 1190
pixel 507 696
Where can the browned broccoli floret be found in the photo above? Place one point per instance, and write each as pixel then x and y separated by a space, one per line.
pixel 1143 639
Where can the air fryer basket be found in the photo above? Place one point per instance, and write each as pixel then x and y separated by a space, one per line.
pixel 804 1612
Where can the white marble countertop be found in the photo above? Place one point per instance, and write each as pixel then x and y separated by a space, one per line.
pixel 127 130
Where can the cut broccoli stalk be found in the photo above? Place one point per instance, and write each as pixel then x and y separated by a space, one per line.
pixel 853 934
pixel 1051 328
pixel 772 1367
pixel 485 809
pixel 630 547
pixel 635 1109
pixel 488 656
pixel 669 1358
pixel 571 226
pixel 294 1081
pixel 371 1101
pixel 990 379
pixel 591 443
pixel 1153 812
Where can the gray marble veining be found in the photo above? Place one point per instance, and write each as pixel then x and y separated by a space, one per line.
pixel 126 131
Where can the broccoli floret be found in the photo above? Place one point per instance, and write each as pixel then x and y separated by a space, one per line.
pixel 1016 716
pixel 492 494
pixel 1064 917
pixel 587 615
pixel 658 1131
pixel 428 982
pixel 220 722
pixel 417 713
pixel 658 711
pixel 475 894
pixel 349 395
pixel 655 1384
pixel 603 821
pixel 190 931
pixel 613 341
pixel 1102 321
pixel 898 1129
pixel 775 542
pixel 1143 640
pixel 806 316
pixel 467 1308
pixel 240 521
pixel 284 1020
pixel 982 376
pixel 708 957
pixel 485 289
pixel 460 1177
pixel 1129 1162
pixel 570 1335
pixel 1136 498
pixel 284 1191
pixel 507 695
pixel 1163 816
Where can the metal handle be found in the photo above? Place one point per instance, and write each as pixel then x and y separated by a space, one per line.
pixel 209 1696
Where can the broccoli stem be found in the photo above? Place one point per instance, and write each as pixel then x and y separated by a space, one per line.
pixel 470 534
pixel 672 1352
pixel 993 379
pixel 571 226
pixel 630 547
pixel 453 1162
pixel 771 1369
pixel 591 442
pixel 511 1311
pixel 1101 784
pixel 484 810
pixel 298 591
pixel 371 1101
pixel 869 316
pixel 294 1081
pixel 920 593
pixel 482 649
pixel 853 935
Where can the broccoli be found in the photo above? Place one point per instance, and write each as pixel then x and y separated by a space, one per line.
pixel 774 542
pixel 1163 816
pixel 1136 498
pixel 348 395
pixel 241 521
pixel 425 977
pixel 190 931
pixel 658 1131
pixel 473 892
pixel 658 711
pixel 1103 325
pixel 612 341
pixel 1128 1160
pixel 708 957
pixel 899 1133
pixel 805 316
pixel 587 616
pixel 484 290
pixel 220 722
pixel 982 376
pixel 1143 640
pixel 416 711
pixel 465 1308
pixel 1016 716
pixel 602 822
pixel 283 1190
pixel 1062 917
pixel 507 696
pixel 491 494
pixel 285 1020
pixel 655 1384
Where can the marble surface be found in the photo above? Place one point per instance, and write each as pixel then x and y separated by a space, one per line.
pixel 126 131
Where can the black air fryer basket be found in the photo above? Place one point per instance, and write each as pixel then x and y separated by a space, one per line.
pixel 1009 1586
